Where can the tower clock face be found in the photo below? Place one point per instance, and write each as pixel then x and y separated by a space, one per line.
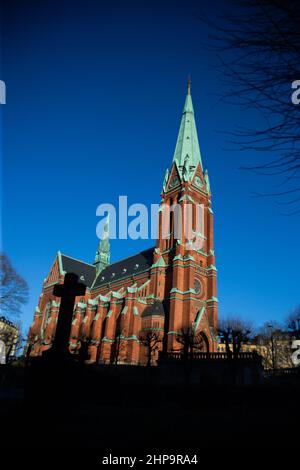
pixel 198 182
pixel 174 181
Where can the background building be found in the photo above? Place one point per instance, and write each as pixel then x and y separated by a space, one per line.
pixel 9 334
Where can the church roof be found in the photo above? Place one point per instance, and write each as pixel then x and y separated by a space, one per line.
pixel 187 150
pixel 127 267
pixel 86 272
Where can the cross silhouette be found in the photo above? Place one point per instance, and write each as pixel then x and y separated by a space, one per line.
pixel 67 291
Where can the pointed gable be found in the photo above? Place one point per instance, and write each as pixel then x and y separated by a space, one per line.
pixel 55 271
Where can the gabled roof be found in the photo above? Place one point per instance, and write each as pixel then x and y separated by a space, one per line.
pixel 85 271
pixel 127 267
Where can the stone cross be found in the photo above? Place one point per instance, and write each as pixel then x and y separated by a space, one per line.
pixel 67 291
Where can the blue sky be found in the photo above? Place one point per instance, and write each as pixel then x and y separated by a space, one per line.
pixel 94 99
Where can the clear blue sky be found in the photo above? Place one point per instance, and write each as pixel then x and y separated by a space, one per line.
pixel 95 92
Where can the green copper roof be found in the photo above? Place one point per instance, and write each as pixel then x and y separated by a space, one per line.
pixel 102 258
pixel 187 152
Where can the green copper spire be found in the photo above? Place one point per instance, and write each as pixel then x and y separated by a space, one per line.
pixel 102 258
pixel 187 152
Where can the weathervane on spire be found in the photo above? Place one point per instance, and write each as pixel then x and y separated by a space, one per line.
pixel 189 81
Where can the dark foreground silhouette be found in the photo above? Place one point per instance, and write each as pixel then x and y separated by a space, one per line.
pixel 59 402
pixel 125 408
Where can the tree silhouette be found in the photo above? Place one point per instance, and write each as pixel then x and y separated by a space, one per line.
pixel 151 340
pixel 13 288
pixel 259 51
pixel 276 345
pixel 118 346
pixel 190 340
pixel 234 332
pixel 293 322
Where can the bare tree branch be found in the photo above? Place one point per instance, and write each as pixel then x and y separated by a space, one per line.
pixel 151 340
pixel 293 322
pixel 275 345
pixel 234 332
pixel 259 52
pixel 190 340
pixel 13 288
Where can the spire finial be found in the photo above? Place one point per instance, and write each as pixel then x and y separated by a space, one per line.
pixel 189 81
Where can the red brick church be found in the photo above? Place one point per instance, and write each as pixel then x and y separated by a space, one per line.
pixel 163 289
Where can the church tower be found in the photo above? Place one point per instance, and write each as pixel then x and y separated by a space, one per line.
pixel 185 242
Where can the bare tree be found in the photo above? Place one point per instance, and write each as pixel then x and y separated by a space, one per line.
pixel 32 340
pixel 259 50
pixel 13 288
pixel 275 346
pixel 84 339
pixel 293 322
pixel 190 340
pixel 19 344
pixel 151 340
pixel 116 349
pixel 234 331
pixel 118 344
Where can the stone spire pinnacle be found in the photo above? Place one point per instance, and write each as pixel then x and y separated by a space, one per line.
pixel 102 258
pixel 187 146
